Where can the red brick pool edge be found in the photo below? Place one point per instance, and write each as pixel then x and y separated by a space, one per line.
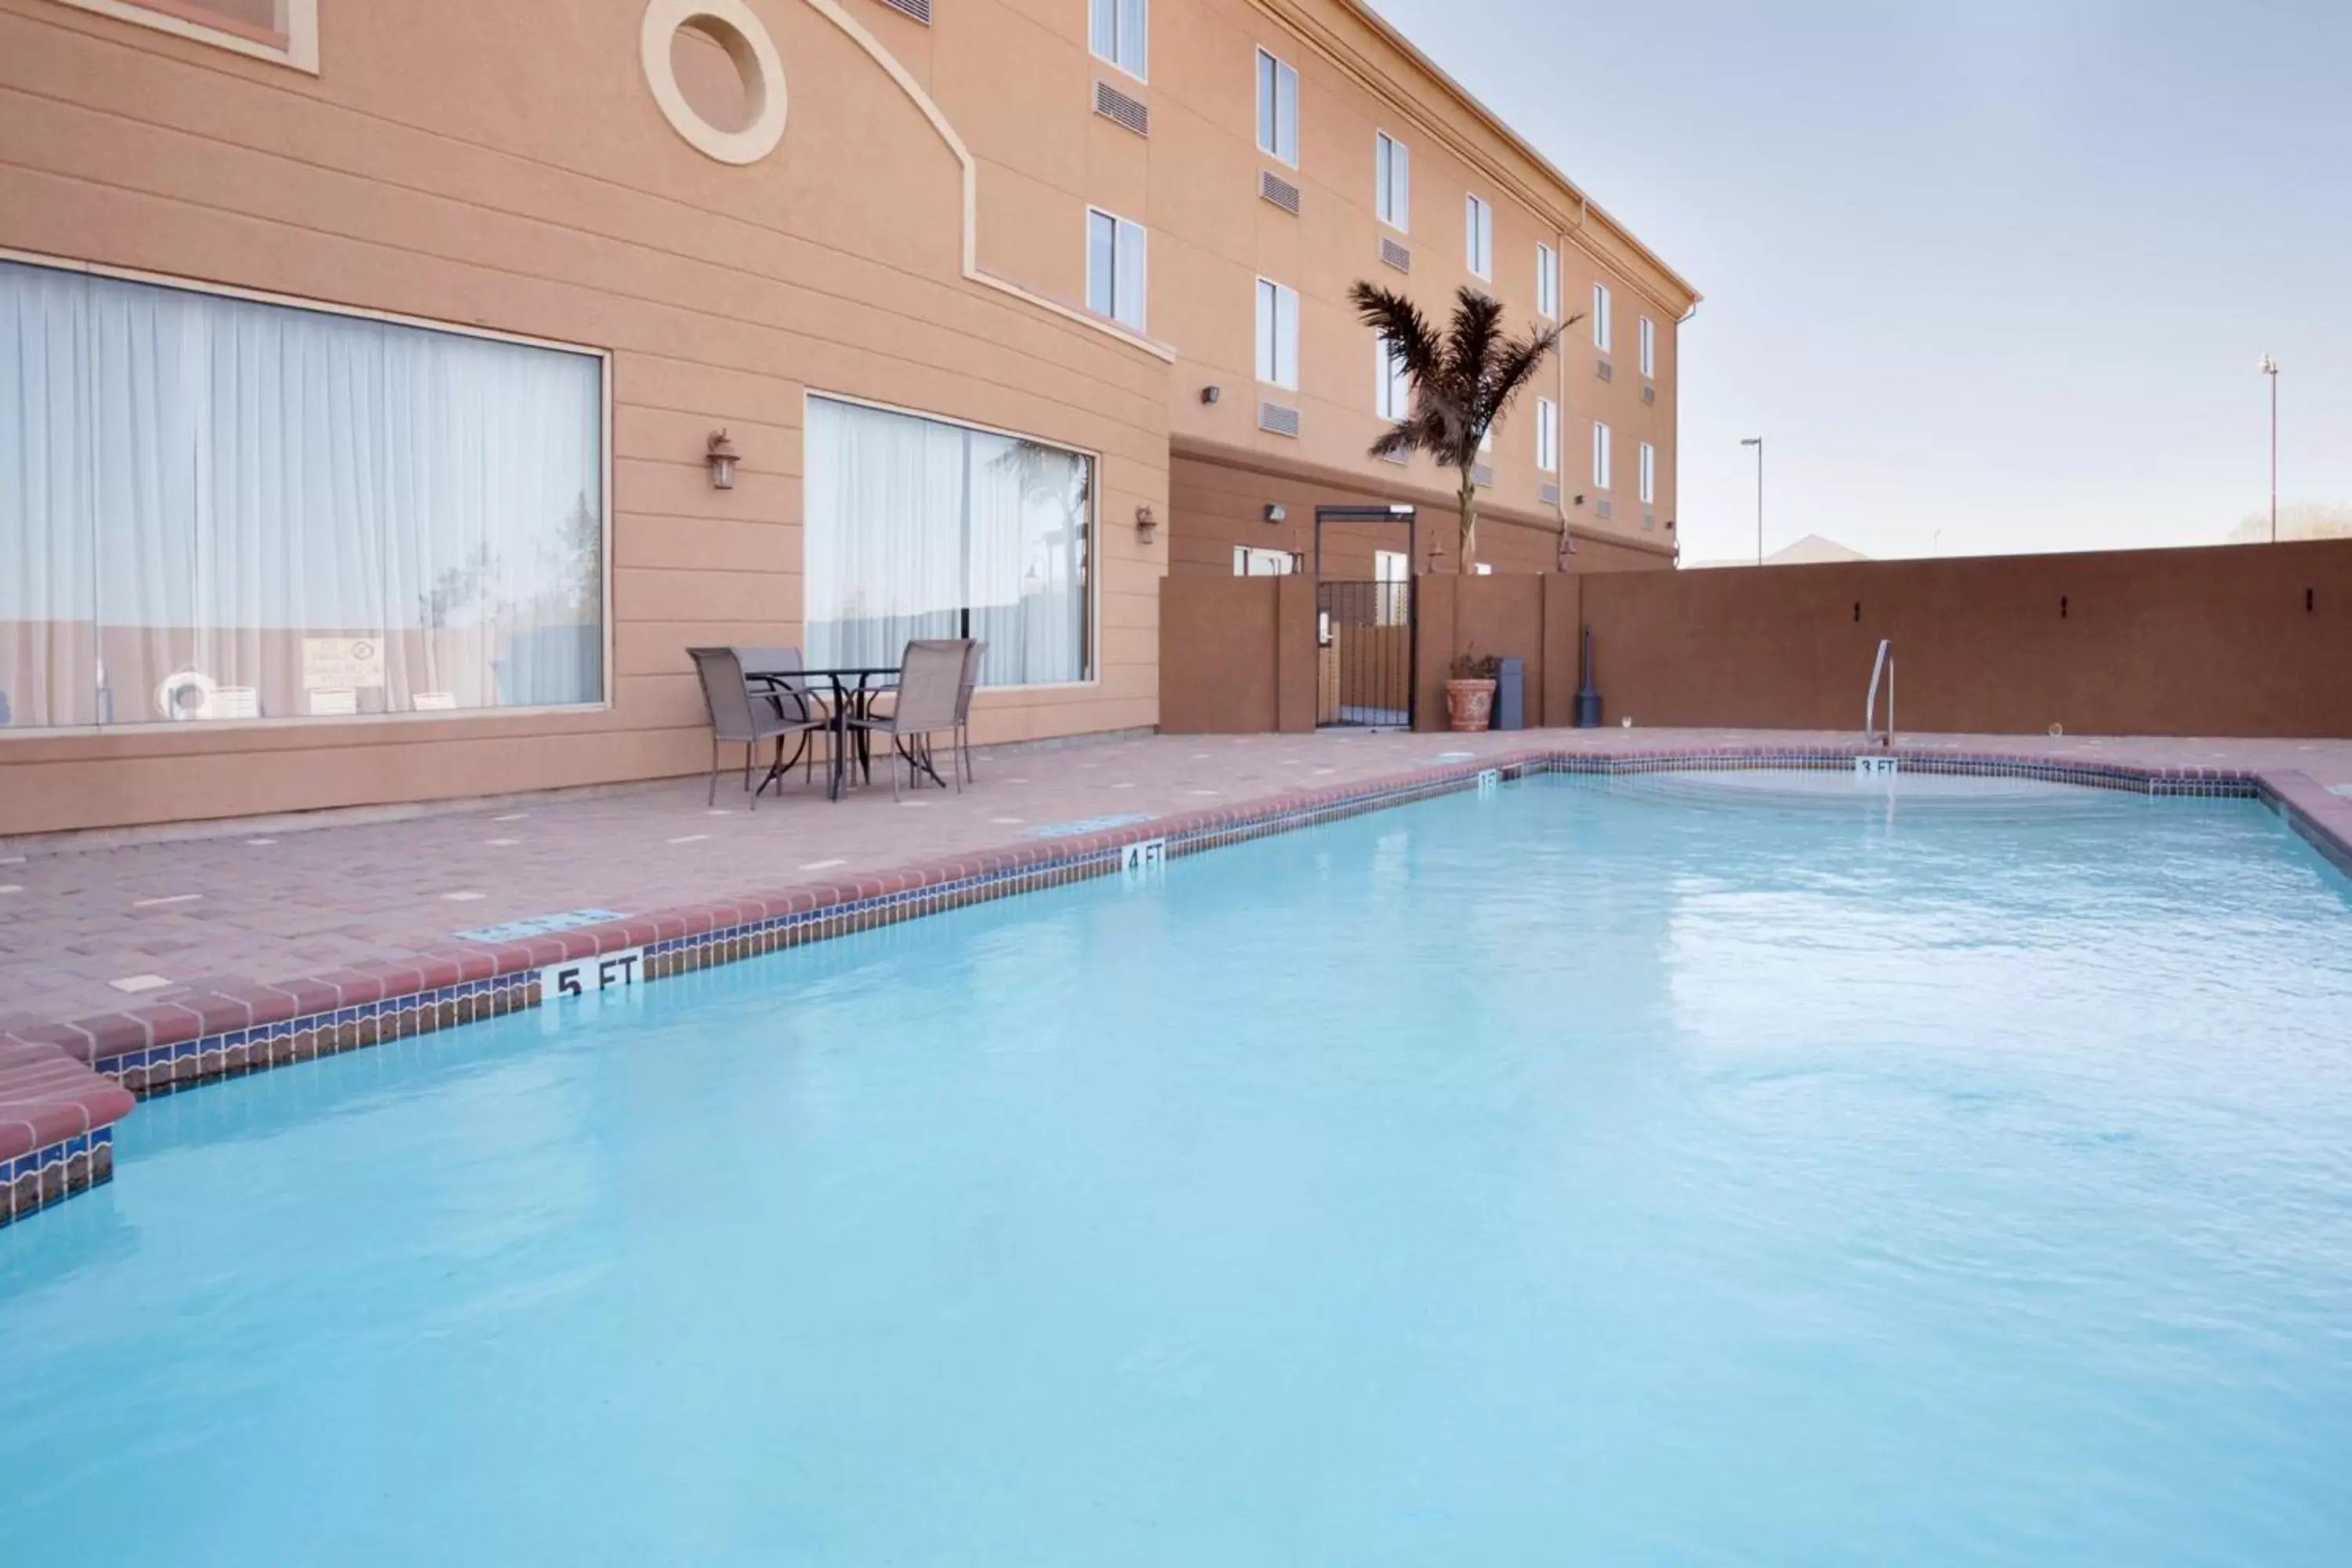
pixel 63 1084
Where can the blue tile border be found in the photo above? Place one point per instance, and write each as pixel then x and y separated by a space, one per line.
pixel 53 1173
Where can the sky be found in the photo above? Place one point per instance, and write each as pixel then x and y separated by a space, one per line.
pixel 1986 277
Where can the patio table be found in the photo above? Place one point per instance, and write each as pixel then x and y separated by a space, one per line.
pixel 854 689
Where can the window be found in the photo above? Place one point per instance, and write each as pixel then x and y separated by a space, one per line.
pixel 1600 456
pixel 215 509
pixel 285 32
pixel 1121 33
pixel 1278 109
pixel 1392 388
pixel 1277 335
pixel 1602 330
pixel 1392 577
pixel 919 528
pixel 1252 562
pixel 1115 268
pixel 1649 473
pixel 1648 336
pixel 1478 226
pixel 1392 181
pixel 1546 436
pixel 1547 282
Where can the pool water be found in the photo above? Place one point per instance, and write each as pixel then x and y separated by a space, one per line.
pixel 1701 1170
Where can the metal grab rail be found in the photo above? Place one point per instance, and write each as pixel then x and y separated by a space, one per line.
pixel 1883 665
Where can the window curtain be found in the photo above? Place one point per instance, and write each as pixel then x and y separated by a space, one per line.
pixel 225 508
pixel 48 551
pixel 916 528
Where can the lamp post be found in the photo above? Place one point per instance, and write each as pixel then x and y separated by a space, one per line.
pixel 2269 367
pixel 1757 442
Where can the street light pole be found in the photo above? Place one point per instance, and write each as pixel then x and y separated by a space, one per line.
pixel 2269 367
pixel 1757 442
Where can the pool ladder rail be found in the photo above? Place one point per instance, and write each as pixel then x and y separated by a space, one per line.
pixel 1883 665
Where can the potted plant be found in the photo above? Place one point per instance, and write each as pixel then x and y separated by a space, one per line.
pixel 1470 692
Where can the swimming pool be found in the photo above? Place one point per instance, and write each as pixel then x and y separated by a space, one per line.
pixel 1708 1168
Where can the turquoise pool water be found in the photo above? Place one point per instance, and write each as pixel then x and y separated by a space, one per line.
pixel 1683 1171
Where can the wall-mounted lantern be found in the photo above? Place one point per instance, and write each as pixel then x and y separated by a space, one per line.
pixel 1147 523
pixel 1275 514
pixel 720 455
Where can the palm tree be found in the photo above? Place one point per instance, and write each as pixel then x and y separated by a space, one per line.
pixel 1463 383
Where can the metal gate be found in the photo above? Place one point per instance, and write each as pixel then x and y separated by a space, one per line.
pixel 1363 630
pixel 1364 655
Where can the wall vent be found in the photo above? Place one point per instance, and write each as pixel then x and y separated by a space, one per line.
pixel 1600 509
pixel 1117 106
pixel 1277 190
pixel 1551 494
pixel 1397 256
pixel 1649 393
pixel 1276 418
pixel 1649 522
pixel 1600 369
pixel 921 10
pixel 1483 474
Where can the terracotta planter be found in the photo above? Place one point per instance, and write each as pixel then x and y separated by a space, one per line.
pixel 1470 704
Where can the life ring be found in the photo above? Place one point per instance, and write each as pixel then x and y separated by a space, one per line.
pixel 185 694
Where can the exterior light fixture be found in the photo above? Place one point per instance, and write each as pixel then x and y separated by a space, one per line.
pixel 1146 524
pixel 1211 393
pixel 720 455
pixel 1274 512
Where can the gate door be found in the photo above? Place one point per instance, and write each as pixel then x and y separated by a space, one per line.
pixel 1363 630
pixel 1364 675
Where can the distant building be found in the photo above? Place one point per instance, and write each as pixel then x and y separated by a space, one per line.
pixel 1811 551
pixel 2296 519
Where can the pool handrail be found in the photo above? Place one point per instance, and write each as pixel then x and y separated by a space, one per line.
pixel 1884 664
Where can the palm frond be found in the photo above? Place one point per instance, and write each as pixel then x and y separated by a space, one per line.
pixel 1470 340
pixel 1399 321
pixel 1463 379
pixel 1515 363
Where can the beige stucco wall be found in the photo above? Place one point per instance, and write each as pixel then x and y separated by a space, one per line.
pixel 1218 237
pixel 506 167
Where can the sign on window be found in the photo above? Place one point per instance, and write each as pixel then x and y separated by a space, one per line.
pixel 341 664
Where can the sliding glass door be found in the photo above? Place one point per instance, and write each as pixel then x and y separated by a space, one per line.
pixel 919 528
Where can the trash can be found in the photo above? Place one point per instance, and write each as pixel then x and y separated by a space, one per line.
pixel 1511 695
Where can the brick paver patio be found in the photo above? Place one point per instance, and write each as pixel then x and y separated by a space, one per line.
pixel 97 930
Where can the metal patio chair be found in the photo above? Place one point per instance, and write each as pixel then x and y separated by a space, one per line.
pixel 971 657
pixel 772 674
pixel 740 716
pixel 930 682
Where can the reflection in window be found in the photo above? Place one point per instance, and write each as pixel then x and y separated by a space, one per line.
pixel 919 528
pixel 219 509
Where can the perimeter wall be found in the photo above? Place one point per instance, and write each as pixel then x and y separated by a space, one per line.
pixel 2235 640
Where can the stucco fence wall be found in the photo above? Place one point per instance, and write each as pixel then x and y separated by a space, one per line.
pixel 2239 640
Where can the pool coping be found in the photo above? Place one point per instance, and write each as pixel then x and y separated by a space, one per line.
pixel 64 1085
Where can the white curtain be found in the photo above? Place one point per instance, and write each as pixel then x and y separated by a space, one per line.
pixel 916 528
pixel 48 552
pixel 314 512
